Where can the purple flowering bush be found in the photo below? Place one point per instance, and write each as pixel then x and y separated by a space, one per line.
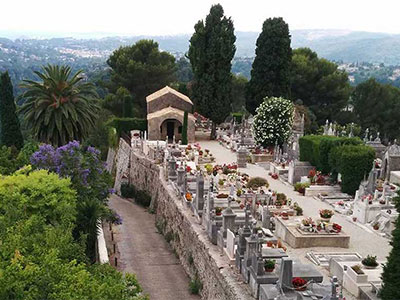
pixel 90 180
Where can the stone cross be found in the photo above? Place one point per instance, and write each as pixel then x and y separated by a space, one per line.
pixel 181 175
pixel 266 218
pixel 172 169
pixel 286 275
pixel 335 285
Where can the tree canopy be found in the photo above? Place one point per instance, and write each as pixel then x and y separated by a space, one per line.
pixel 319 84
pixel 10 132
pixel 377 107
pixel 60 107
pixel 270 74
pixel 211 50
pixel 142 69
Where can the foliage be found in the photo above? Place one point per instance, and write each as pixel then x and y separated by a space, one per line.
pixel 7 160
pixel 38 257
pixel 358 270
pixel 256 182
pixel 238 93
pixel 237 116
pixel 195 286
pixel 127 124
pixel 269 264
pixel 10 132
pixel 88 177
pixel 391 271
pixel 377 107
pixel 142 69
pixel 354 162
pixel 119 104
pixel 320 85
pixel 316 149
pixel 141 196
pixel 273 121
pixel 185 128
pixel 270 74
pixel 211 50
pixel 326 213
pixel 370 261
pixel 301 187
pixel 59 108
pixel 184 73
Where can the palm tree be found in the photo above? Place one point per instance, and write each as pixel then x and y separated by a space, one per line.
pixel 59 108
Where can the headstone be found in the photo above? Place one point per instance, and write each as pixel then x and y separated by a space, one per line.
pixel 266 218
pixel 242 157
pixel 172 169
pixel 286 274
pixel 181 175
pixel 200 191
pixel 230 244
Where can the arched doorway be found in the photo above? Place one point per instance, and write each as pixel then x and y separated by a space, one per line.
pixel 170 128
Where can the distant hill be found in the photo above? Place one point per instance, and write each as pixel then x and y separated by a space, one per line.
pixel 21 54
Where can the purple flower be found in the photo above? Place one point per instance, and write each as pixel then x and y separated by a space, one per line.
pixel 117 219
pixel 111 191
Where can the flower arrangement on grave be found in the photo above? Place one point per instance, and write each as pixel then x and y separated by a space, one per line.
pixel 188 196
pixel 273 121
pixel 222 196
pixel 207 151
pixel 357 269
pixel 209 168
pixel 221 182
pixel 370 262
pixel 200 153
pixel 368 198
pixel 298 209
pixel 312 173
pixel 299 283
pixel 340 203
pixel 189 147
pixel 274 176
pixel 242 206
pixel 320 179
pixel 301 187
pixel 269 265
pixel 239 192
pixel 281 197
pixel 308 222
pixel 188 169
pixel 256 182
pixel 285 215
pixel 326 214
pixel 218 211
pixel 336 228
pixel 376 226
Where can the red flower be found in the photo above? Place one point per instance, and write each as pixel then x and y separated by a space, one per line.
pixel 298 282
pixel 188 169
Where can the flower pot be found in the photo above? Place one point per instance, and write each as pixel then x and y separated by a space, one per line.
pixel 269 270
pixel 325 220
pixel 300 289
pixel 354 219
pixel 369 267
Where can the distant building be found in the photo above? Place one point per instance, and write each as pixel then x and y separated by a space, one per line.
pixel 165 110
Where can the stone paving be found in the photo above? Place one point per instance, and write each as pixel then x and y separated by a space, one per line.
pixel 362 240
pixel 145 253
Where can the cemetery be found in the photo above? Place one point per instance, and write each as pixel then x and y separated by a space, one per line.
pixel 221 208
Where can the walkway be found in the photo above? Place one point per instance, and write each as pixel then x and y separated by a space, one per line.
pixel 362 240
pixel 145 252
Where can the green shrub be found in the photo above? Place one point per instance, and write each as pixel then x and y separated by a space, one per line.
pixel 128 124
pixel 185 128
pixel 301 187
pixel 353 162
pixel 237 116
pixel 257 182
pixel 127 190
pixel 195 286
pixel 317 148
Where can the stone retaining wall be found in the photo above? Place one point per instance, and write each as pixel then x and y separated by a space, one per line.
pixel 199 257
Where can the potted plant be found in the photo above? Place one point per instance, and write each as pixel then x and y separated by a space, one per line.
pixel 354 219
pixel 370 262
pixel 239 192
pixel 336 228
pixel 278 203
pixel 299 284
pixel 357 274
pixel 269 265
pixel 218 211
pixel 285 215
pixel 326 215
pixel 376 226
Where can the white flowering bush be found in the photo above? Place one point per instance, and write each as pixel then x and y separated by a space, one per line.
pixel 273 121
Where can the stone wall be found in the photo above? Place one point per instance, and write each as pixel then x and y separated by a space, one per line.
pixel 199 257
pixel 121 164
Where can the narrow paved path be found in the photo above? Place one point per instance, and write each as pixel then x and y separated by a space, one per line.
pixel 362 240
pixel 145 253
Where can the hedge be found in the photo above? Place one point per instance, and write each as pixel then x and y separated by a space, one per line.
pixel 128 124
pixel 353 162
pixel 317 148
pixel 185 129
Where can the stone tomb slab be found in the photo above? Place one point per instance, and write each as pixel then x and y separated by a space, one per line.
pixel 288 231
pixel 323 258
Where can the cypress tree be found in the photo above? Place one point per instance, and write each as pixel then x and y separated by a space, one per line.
pixel 391 270
pixel 10 129
pixel 270 74
pixel 185 128
pixel 211 51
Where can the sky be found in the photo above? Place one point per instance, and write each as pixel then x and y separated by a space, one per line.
pixel 171 17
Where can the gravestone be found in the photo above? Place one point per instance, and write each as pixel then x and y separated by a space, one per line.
pixel 172 169
pixel 230 244
pixel 286 274
pixel 266 218
pixel 199 192
pixel 242 157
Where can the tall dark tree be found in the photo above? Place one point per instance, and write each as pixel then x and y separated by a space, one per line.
pixel 142 69
pixel 391 270
pixel 10 131
pixel 270 74
pixel 320 85
pixel 211 51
